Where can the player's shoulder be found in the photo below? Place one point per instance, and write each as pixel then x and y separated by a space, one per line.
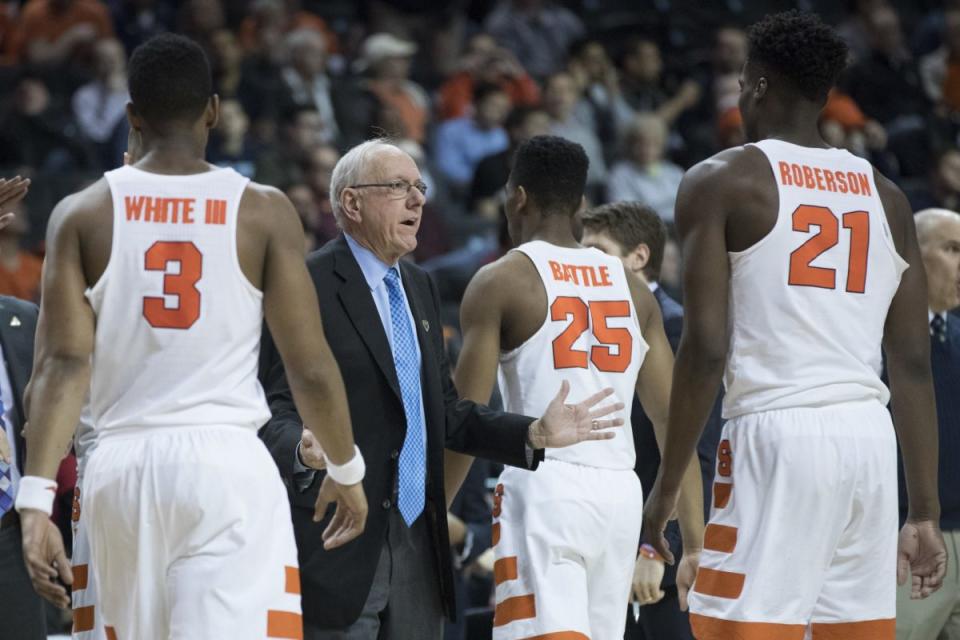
pixel 512 275
pixel 82 207
pixel 260 195
pixel 735 165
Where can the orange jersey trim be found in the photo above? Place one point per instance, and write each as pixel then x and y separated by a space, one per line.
pixel 505 569
pixel 83 619
pixel 722 584
pixel 885 629
pixel 292 580
pixel 706 628
pixel 284 624
pixel 81 576
pixel 719 537
pixel 516 608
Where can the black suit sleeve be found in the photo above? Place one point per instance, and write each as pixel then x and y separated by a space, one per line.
pixel 281 433
pixel 474 429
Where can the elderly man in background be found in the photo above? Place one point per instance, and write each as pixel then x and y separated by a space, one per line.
pixel 383 319
pixel 938 616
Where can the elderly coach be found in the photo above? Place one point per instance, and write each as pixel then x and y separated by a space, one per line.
pixel 381 317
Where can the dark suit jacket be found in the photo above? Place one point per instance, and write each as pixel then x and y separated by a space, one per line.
pixel 18 324
pixel 336 583
pixel 648 454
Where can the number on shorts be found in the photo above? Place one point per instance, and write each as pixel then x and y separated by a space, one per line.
pixel 183 285
pixel 582 316
pixel 803 274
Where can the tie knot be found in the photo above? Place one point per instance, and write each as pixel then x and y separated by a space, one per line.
pixel 393 277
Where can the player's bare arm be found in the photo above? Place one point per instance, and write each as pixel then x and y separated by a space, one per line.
pixel 293 315
pixel 58 388
pixel 906 344
pixel 701 222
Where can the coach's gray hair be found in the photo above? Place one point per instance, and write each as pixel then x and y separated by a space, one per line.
pixel 350 170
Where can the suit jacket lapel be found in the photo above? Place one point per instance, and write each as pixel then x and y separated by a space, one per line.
pixel 357 300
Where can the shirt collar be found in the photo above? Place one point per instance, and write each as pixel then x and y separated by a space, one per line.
pixel 653 286
pixel 374 270
pixel 942 314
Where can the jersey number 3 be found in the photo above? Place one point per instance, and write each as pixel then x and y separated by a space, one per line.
pixel 183 285
pixel 803 274
pixel 583 317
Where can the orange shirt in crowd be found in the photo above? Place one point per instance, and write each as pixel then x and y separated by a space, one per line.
pixel 40 22
pixel 951 86
pixel 248 34
pixel 456 94
pixel 410 111
pixel 24 282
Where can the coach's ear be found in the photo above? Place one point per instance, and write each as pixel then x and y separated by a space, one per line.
pixel 212 114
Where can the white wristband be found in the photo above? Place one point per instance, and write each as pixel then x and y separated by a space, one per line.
pixel 37 493
pixel 350 472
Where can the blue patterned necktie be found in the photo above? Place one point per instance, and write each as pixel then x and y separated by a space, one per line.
pixel 413 458
pixel 6 477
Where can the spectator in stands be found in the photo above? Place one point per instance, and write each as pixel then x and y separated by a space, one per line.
pixel 303 131
pixel 307 206
pixel 560 98
pixel 269 20
pixel 855 28
pixel 938 231
pixel 139 20
pixel 492 172
pixel 461 143
pixel 229 143
pixel 306 80
pixel 54 32
pixel 39 135
pixel 100 106
pixel 940 70
pixel 200 19
pixel 943 187
pixel 644 88
pixel 8 32
pixel 538 32
pixel 318 171
pixel 645 176
pixel 594 71
pixel 484 62
pixel 226 63
pixel 386 61
pixel 19 269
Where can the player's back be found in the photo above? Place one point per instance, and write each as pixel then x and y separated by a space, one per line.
pixel 177 322
pixel 808 302
pixel 590 337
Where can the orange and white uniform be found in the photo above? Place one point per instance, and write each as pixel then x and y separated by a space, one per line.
pixel 803 532
pixel 187 519
pixel 565 537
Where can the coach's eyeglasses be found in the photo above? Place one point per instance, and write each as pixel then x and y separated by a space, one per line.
pixel 396 188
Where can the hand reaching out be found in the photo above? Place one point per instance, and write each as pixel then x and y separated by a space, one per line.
pixel 565 424
pixel 12 192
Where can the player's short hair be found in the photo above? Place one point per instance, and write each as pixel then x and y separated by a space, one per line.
pixel 802 47
pixel 553 172
pixel 630 224
pixel 169 78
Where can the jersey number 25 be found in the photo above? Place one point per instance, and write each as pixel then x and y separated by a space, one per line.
pixel 585 316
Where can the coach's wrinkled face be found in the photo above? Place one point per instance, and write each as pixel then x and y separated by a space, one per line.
pixel 940 249
pixel 389 205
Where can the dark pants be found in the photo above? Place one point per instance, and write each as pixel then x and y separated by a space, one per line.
pixel 21 609
pixel 404 600
pixel 660 621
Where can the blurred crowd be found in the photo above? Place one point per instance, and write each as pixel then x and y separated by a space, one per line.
pixel 647 87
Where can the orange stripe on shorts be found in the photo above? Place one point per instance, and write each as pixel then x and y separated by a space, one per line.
pixel 111 633
pixel 561 635
pixel 496 533
pixel 505 569
pixel 721 494
pixel 720 537
pixel 706 628
pixel 293 580
pixel 885 629
pixel 80 576
pixel 83 619
pixel 284 624
pixel 722 584
pixel 516 608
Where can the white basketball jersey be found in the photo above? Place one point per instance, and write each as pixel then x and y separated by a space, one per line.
pixel 178 323
pixel 809 301
pixel 590 337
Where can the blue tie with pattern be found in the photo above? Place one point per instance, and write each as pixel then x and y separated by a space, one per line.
pixel 413 459
pixel 6 477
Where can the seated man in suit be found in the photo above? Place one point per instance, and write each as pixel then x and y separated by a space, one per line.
pixel 382 317
pixel 938 230
pixel 634 233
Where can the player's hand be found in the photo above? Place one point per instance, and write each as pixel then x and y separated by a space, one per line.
pixel 921 552
pixel 349 519
pixel 686 574
pixel 311 454
pixel 5 448
pixel 647 576
pixel 659 509
pixel 45 558
pixel 565 424
pixel 12 192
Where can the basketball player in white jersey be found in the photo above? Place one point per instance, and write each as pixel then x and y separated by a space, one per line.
pixel 801 261
pixel 551 311
pixel 156 284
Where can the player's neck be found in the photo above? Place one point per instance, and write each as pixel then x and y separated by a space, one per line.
pixel 554 229
pixel 798 127
pixel 174 155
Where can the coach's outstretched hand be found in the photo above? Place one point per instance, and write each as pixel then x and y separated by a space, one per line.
pixel 45 558
pixel 12 192
pixel 922 557
pixel 350 517
pixel 565 424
